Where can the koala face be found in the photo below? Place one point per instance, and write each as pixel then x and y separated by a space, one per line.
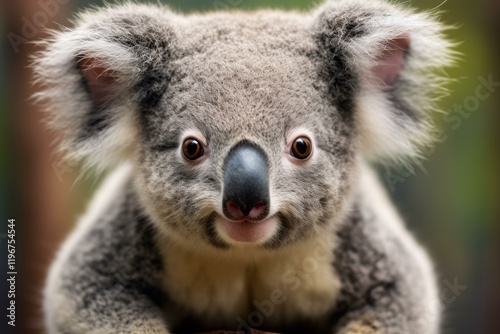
pixel 238 93
pixel 245 129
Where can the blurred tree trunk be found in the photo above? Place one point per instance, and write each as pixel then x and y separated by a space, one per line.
pixel 39 194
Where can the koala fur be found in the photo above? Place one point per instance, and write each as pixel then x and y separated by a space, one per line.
pixel 128 84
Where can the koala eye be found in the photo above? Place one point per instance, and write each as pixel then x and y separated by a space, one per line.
pixel 192 149
pixel 301 148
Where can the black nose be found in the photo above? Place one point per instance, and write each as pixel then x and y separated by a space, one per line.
pixel 246 183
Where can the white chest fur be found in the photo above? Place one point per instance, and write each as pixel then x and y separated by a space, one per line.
pixel 230 285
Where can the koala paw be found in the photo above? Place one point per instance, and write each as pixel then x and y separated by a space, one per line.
pixel 361 327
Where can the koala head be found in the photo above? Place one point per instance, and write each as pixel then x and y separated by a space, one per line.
pixel 245 129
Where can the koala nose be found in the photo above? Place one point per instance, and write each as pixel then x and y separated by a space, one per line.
pixel 246 183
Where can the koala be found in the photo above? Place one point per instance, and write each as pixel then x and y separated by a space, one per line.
pixel 243 194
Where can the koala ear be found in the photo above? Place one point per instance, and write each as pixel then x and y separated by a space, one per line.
pixel 383 66
pixel 101 82
pixel 391 61
pixel 96 79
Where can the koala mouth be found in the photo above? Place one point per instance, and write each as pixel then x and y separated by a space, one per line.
pixel 247 231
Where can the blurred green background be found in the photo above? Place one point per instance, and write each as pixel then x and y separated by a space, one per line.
pixel 450 201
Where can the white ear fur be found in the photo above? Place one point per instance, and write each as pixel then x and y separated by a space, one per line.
pixel 398 58
pixel 60 70
pixel 87 79
pixel 382 135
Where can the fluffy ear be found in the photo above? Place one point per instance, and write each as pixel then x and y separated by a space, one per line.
pixel 383 66
pixel 98 77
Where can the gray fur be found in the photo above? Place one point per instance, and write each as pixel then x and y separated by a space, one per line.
pixel 228 77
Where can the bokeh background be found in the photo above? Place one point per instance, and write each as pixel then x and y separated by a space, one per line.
pixel 451 200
